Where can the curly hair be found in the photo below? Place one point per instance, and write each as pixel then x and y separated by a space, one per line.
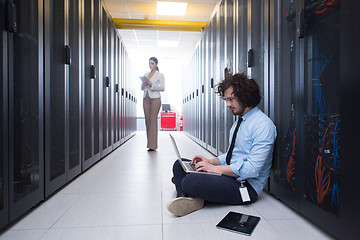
pixel 246 90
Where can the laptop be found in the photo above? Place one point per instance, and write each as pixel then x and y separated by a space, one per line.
pixel 188 168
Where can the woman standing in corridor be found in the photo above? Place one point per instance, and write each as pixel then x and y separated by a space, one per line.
pixel 152 87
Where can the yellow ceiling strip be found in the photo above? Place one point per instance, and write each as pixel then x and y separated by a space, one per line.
pixel 165 25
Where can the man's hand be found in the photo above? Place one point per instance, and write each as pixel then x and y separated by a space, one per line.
pixel 199 159
pixel 203 164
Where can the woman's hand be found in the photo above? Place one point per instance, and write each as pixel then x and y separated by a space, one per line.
pixel 146 83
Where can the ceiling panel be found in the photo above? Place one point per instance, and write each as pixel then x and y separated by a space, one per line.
pixel 145 42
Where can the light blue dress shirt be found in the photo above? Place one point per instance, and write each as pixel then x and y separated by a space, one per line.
pixel 252 155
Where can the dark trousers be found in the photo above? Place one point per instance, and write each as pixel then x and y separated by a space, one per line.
pixel 211 188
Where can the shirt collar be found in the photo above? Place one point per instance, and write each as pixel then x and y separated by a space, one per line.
pixel 250 113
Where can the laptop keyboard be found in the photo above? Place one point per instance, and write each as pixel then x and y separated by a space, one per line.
pixel 190 166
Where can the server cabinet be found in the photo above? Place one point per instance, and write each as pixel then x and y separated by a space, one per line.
pixel 201 70
pixel 62 93
pixel 116 91
pixel 75 90
pixel 283 176
pixel 25 102
pixel 122 95
pixel 206 56
pixel 4 187
pixel 211 62
pixel 91 88
pixel 240 36
pixel 320 123
pixel 219 68
pixel 229 64
pixel 107 84
pixel 255 34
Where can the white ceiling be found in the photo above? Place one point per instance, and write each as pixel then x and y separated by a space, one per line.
pixel 145 42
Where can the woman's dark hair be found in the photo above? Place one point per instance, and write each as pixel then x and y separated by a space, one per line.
pixel 155 60
pixel 246 90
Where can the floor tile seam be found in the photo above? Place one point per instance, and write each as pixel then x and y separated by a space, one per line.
pixel 106 226
pixel 65 212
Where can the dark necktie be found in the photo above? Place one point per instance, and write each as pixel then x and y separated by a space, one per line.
pixel 229 153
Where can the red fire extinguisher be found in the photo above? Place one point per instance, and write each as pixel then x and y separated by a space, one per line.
pixel 181 122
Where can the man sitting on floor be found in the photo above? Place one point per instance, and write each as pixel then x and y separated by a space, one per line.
pixel 244 168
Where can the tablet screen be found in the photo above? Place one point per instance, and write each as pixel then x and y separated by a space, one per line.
pixel 239 223
pixel 143 78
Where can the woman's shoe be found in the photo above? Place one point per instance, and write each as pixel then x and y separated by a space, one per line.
pixel 151 150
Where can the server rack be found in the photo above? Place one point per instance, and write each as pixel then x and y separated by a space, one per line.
pixel 212 98
pixel 116 141
pixel 201 72
pixel 284 174
pixel 25 101
pixel 255 34
pixel 91 87
pixel 106 83
pixel 62 78
pixel 320 122
pixel 51 98
pixel 229 65
pixel 297 59
pixel 220 64
pixel 4 191
pixel 75 90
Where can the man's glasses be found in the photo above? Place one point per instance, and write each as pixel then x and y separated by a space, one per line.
pixel 229 99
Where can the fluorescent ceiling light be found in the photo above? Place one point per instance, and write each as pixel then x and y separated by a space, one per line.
pixel 168 43
pixel 171 8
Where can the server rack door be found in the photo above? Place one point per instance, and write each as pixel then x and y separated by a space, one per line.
pixel 241 36
pixel 57 61
pixel 201 71
pixel 25 84
pixel 116 92
pixel 256 44
pixel 350 88
pixel 210 82
pixel 219 66
pixel 197 99
pixel 229 64
pixel 283 176
pixel 122 114
pixel 106 81
pixel 90 88
pixel 214 63
pixel 90 73
pixel 212 101
pixel 321 121
pixel 98 80
pixel 112 84
pixel 4 187
pixel 75 91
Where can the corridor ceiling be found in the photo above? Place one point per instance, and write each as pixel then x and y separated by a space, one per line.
pixel 144 32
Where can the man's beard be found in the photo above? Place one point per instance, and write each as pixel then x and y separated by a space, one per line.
pixel 240 112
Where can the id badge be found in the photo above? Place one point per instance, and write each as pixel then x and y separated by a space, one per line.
pixel 244 192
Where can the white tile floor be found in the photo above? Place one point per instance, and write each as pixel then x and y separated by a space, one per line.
pixel 125 195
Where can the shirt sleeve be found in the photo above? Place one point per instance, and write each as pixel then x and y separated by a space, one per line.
pixel 261 149
pixel 160 84
pixel 222 159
